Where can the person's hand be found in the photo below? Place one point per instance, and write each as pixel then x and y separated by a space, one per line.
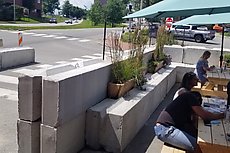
pixel 212 67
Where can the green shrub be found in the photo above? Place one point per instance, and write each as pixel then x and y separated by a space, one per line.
pixel 227 58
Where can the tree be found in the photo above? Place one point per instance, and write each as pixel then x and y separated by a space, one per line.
pixel 67 8
pixel 96 13
pixel 115 11
pixel 49 6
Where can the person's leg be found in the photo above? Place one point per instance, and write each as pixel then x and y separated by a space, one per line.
pixel 176 137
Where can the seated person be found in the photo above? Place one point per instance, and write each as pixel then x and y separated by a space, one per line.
pixel 202 67
pixel 188 82
pixel 174 125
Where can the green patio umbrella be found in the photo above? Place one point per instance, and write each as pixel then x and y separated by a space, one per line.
pixel 173 8
pixel 221 18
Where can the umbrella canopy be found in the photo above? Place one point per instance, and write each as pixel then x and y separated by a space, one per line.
pixel 172 8
pixel 220 18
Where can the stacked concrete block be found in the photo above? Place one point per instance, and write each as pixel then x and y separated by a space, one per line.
pixel 1 43
pixel 28 136
pixel 66 97
pixel 11 57
pixel 66 138
pixel 29 108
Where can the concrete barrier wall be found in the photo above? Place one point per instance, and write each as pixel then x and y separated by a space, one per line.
pixel 11 57
pixel 191 54
pixel 66 97
pixel 116 122
pixel 1 43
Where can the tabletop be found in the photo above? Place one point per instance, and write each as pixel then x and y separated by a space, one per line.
pixel 212 136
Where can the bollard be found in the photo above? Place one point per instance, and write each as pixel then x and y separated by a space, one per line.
pixel 20 39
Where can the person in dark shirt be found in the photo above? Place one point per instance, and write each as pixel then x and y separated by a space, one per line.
pixel 174 125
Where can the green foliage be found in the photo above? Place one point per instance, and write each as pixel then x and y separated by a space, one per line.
pixel 114 11
pixel 7 12
pixel 152 64
pixel 49 6
pixel 227 58
pixel 163 38
pixel 96 14
pixel 129 67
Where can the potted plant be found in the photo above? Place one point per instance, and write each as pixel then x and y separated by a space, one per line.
pixel 227 60
pixel 159 58
pixel 126 69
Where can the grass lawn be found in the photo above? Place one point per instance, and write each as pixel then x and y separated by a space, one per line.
pixel 84 24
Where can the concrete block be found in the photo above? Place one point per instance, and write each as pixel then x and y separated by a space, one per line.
pixel 28 136
pixel 11 57
pixel 116 123
pixel 30 97
pixel 68 94
pixel 192 55
pixel 67 138
pixel 175 51
pixel 1 43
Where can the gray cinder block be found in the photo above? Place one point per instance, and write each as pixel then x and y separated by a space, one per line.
pixel 67 138
pixel 28 136
pixel 30 97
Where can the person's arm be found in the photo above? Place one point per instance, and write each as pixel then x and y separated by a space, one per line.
pixel 206 115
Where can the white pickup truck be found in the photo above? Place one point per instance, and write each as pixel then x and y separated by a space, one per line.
pixel 199 33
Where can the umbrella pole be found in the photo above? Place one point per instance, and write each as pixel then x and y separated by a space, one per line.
pixel 222 47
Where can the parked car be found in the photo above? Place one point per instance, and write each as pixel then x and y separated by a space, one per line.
pixel 53 20
pixel 69 21
pixel 198 33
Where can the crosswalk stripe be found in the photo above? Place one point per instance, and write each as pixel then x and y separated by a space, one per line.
pixel 73 39
pixel 9 94
pixel 61 37
pixel 39 35
pixel 92 57
pixel 8 79
pixel 80 59
pixel 49 36
pixel 84 40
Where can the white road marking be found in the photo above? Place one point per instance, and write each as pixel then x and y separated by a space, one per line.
pixel 73 39
pixel 61 37
pixel 28 33
pixel 8 79
pixel 49 36
pixel 92 57
pixel 9 94
pixel 84 40
pixel 39 35
pixel 80 59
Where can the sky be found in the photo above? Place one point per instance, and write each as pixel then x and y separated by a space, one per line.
pixel 79 3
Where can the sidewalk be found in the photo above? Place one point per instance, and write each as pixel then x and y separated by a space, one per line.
pixel 145 141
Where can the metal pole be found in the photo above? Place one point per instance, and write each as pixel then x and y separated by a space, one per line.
pixel 222 47
pixel 14 11
pixel 104 40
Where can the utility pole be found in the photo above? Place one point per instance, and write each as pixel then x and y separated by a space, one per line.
pixel 14 11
